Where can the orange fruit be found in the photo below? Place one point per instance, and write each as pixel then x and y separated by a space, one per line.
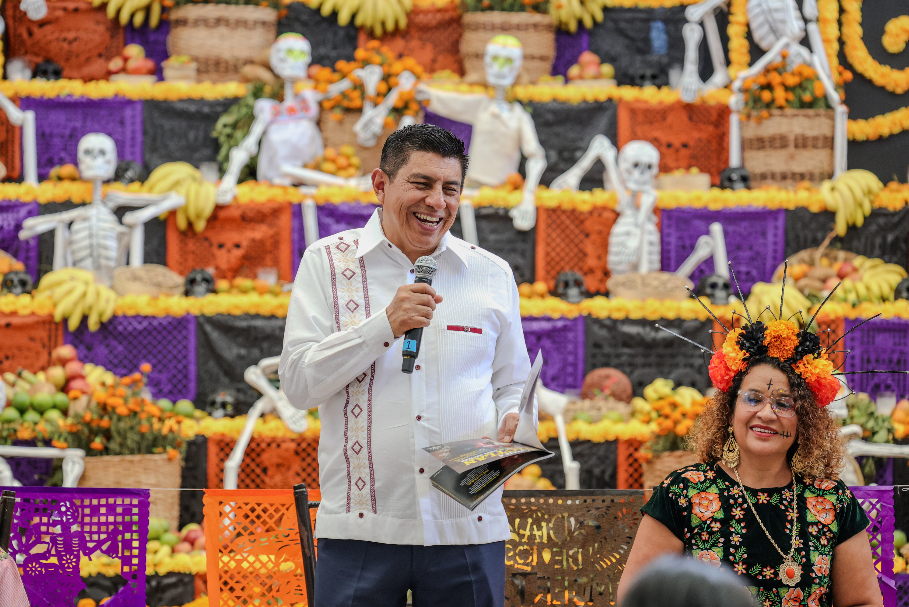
pixel 330 154
pixel 261 286
pixel 540 289
pixel 342 162
pixel 525 289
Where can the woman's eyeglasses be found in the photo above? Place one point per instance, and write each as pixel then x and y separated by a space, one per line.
pixel 753 400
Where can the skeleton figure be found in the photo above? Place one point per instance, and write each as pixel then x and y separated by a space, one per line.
pixel 95 240
pixel 634 241
pixel 502 131
pixel 776 26
pixel 289 130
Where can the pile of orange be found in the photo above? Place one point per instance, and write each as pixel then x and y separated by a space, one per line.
pixel 247 285
pixel 537 289
pixel 342 162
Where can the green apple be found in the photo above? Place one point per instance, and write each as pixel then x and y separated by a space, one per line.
pixel 42 402
pixel 899 539
pixel 61 402
pixel 21 401
pixel 10 415
pixel 31 416
pixel 184 407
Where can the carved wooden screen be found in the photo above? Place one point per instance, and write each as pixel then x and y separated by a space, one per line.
pixel 568 547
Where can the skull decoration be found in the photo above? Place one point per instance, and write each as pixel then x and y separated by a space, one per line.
pixel 290 56
pixel 222 404
pixel 902 289
pixel 129 171
pixel 716 287
pixel 17 283
pixel 97 155
pixel 639 163
pixel 199 283
pixel 650 70
pixel 503 59
pixel 48 70
pixel 570 287
pixel 735 178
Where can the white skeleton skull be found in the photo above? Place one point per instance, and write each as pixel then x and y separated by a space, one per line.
pixel 290 56
pixel 639 163
pixel 503 58
pixel 97 155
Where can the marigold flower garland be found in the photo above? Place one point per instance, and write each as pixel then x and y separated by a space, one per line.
pixel 895 81
pixel 896 34
pixel 739 55
pixel 104 89
pixel 828 22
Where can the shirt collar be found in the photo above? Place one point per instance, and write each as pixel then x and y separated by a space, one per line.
pixel 373 235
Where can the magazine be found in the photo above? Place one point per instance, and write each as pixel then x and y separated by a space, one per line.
pixel 474 468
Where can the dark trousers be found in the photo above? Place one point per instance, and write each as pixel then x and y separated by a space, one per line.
pixel 352 573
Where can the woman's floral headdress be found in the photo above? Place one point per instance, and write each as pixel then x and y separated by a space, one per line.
pixel 780 339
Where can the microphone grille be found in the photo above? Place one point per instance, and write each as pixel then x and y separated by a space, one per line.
pixel 426 266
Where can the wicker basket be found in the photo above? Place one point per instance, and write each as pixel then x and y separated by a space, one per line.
pixel 150 279
pixel 140 472
pixel 221 38
pixel 658 468
pixel 691 182
pixel 336 133
pixel 597 408
pixel 652 285
pixel 810 256
pixel 789 147
pixel 180 72
pixel 536 33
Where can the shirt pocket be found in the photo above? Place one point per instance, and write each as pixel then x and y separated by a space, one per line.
pixel 467 347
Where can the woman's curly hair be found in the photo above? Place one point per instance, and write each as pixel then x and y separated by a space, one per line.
pixel 818 440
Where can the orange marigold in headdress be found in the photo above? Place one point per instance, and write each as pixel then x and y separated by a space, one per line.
pixel 781 337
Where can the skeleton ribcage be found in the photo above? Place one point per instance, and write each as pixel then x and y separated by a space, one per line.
pixel 94 240
pixel 767 20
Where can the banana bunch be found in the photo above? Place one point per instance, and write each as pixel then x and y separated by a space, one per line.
pixel 658 389
pixel 567 13
pixel 764 295
pixel 850 196
pixel 76 294
pixel 133 10
pixel 97 376
pixel 878 282
pixel 186 180
pixel 378 16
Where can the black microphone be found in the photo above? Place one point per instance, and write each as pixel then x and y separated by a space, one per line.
pixel 424 270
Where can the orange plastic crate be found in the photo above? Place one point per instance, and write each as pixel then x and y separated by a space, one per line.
pixel 269 463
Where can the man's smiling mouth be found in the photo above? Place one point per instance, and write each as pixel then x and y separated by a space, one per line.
pixel 428 219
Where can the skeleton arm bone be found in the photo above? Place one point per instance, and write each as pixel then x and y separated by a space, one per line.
pixel 257 377
pixel 240 155
pixel 35 9
pixel 136 220
pixel 524 215
pixel 370 125
pixel 454 106
pixel 822 67
pixel 34 226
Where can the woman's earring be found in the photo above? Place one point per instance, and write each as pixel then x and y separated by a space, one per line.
pixel 797 464
pixel 731 451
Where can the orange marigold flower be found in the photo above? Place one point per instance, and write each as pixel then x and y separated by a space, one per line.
pixel 59 444
pixel 143 415
pixel 781 338
pixel 806 98
pixel 172 454
pixel 105 423
pixel 143 428
pixel 87 417
pixel 86 603
pixel 145 368
pixel 734 355
pixel 122 411
pixel 96 446
pixel 812 369
pixel 115 401
pixel 121 392
pixel 74 394
pixel 818 88
pixel 766 96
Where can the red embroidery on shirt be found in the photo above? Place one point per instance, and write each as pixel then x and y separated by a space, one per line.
pixel 465 329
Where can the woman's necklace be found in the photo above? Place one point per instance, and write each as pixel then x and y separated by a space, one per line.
pixel 790 571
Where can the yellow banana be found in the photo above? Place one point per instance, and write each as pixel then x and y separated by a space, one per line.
pixel 75 317
pixel 91 293
pixel 830 202
pixel 861 291
pixel 126 11
pixel 113 7
pixel 182 222
pixel 154 14
pixel 859 261
pixel 63 291
pixel 67 304
pixel 52 280
pixel 139 17
pixel 94 323
pixel 192 199
pixel 872 263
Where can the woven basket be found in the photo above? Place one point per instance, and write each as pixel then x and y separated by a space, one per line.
pixel 652 285
pixel 150 279
pixel 789 147
pixel 691 182
pixel 181 72
pixel 810 257
pixel 536 33
pixel 140 472
pixel 336 133
pixel 596 408
pixel 221 38
pixel 658 468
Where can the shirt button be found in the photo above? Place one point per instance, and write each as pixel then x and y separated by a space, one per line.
pixel 421 470
pixel 418 367
pixel 389 246
pixel 473 247
pixel 340 238
pixel 386 344
pixel 411 270
pixel 479 518
pixel 361 515
pixel 419 417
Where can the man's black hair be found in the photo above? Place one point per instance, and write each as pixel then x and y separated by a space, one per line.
pixel 420 138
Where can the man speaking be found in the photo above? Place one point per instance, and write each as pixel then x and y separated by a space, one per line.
pixel 382 527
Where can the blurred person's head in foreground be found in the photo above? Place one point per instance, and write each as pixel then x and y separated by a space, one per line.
pixel 677 581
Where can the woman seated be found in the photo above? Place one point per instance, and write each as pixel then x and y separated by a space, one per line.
pixel 766 502
pixel 12 593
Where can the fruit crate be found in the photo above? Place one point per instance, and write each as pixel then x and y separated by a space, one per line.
pixel 629 472
pixel 269 462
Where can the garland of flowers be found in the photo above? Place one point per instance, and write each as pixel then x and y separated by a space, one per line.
pixel 104 89
pixel 597 432
pixel 739 50
pixel 102 564
pixel 895 81
pixel 896 34
pixel 828 22
pixel 268 426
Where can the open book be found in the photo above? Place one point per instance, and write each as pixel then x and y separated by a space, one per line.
pixel 474 468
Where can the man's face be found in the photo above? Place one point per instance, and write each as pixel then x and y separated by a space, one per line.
pixel 421 203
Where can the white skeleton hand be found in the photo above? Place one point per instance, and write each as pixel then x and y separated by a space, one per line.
pixel 524 216
pixel 35 9
pixel 225 193
pixel 371 124
pixel 569 180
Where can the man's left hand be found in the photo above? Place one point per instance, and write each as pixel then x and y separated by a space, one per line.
pixel 507 430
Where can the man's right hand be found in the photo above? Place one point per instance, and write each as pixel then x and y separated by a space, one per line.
pixel 412 307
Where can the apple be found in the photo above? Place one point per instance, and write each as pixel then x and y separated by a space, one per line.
pixel 135 66
pixel 132 51
pixel 574 72
pixel 607 71
pixel 846 269
pixel 831 283
pixel 80 384
pixel 192 535
pixel 74 369
pixel 116 65
pixel 199 544
pixel 57 376
pixel 313 71
pixel 183 547
pixel 63 354
pixel 148 66
pixel 590 72
pixel 588 58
